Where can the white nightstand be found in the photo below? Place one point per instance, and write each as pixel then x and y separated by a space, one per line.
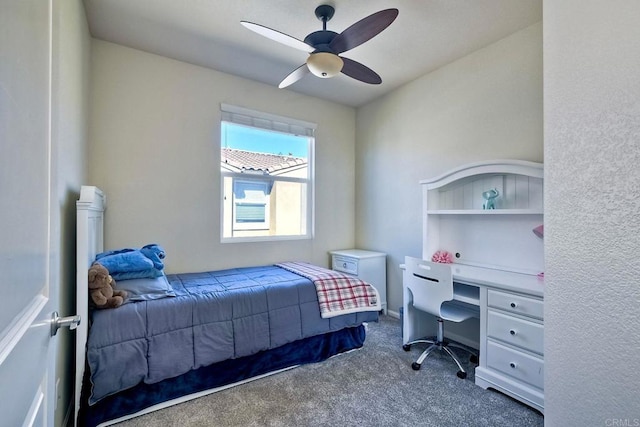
pixel 366 265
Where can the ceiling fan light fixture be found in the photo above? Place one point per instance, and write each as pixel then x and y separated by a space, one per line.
pixel 324 64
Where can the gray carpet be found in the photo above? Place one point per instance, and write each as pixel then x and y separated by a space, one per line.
pixel 373 386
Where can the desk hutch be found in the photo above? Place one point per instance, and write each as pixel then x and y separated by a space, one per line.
pixel 497 265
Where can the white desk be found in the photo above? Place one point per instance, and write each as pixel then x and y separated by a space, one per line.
pixel 511 328
pixel 498 279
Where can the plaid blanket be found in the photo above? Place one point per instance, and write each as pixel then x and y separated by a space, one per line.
pixel 338 293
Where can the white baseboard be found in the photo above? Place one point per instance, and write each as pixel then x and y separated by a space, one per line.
pixel 394 314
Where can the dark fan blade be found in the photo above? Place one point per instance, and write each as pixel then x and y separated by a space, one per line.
pixel 360 72
pixel 363 30
pixel 278 36
pixel 294 76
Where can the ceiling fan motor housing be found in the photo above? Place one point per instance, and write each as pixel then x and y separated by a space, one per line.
pixel 320 40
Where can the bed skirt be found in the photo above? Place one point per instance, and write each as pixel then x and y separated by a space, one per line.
pixel 308 350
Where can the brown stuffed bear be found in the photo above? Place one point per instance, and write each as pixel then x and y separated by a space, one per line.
pixel 101 288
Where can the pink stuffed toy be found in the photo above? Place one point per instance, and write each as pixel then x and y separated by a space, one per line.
pixel 443 257
pixel 539 231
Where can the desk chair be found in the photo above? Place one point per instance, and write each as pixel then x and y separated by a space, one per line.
pixel 431 287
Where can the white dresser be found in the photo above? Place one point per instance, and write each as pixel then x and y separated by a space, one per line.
pixel 496 251
pixel 369 266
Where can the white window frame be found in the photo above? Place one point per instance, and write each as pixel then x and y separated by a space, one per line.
pixel 270 122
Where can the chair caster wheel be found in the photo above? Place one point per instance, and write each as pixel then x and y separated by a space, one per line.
pixel 415 366
pixel 473 359
pixel 406 347
pixel 461 375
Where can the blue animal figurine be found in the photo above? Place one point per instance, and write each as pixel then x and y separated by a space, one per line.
pixel 490 196
pixel 155 253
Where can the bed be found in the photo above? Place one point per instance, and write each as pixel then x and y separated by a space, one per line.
pixel 213 330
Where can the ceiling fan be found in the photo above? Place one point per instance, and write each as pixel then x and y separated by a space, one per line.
pixel 324 47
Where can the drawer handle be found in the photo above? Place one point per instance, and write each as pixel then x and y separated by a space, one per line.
pixel 513 305
pixel 512 332
pixel 513 365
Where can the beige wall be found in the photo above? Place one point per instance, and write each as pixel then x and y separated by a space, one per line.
pixel 485 106
pixel 69 127
pixel 592 212
pixel 155 151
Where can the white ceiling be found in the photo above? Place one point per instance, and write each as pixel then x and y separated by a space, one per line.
pixel 426 35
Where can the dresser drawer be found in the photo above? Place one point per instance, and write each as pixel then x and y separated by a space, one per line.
pixel 521 366
pixel 516 303
pixel 344 264
pixel 515 331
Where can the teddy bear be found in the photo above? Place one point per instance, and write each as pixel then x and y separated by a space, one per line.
pixel 101 288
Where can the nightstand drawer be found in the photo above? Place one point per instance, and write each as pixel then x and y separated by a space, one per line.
pixel 345 264
pixel 515 331
pixel 521 366
pixel 516 304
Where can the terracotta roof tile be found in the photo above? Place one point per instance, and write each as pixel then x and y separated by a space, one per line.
pixel 266 163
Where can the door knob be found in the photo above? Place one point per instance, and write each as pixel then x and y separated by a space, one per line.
pixel 58 322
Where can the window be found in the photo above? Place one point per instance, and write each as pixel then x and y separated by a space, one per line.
pixel 266 167
pixel 251 205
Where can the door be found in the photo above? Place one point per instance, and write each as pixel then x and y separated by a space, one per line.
pixel 28 224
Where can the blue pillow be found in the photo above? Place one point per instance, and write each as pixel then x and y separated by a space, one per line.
pixel 149 273
pixel 146 289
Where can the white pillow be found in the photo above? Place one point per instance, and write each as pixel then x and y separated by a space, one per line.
pixel 146 289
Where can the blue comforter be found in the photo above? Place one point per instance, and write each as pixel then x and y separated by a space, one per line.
pixel 215 316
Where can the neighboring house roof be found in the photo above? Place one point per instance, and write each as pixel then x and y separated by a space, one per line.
pixel 265 163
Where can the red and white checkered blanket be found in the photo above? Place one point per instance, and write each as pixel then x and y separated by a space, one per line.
pixel 338 293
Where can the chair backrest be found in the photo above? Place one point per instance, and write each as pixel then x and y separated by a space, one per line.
pixel 430 284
